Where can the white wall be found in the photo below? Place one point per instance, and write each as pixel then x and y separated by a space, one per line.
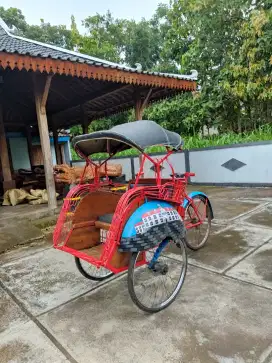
pixel 177 160
pixel 207 164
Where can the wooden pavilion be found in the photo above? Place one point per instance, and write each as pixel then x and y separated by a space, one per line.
pixel 46 88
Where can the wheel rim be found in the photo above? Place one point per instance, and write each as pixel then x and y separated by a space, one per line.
pixel 94 272
pixel 198 235
pixel 155 290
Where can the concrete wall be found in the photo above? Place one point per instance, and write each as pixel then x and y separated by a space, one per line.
pixel 241 165
pixel 245 164
pixel 131 165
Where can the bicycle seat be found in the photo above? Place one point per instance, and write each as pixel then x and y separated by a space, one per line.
pixel 178 175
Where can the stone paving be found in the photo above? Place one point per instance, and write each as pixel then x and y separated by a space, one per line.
pixel 50 313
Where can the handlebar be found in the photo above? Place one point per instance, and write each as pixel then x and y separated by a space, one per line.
pixel 185 175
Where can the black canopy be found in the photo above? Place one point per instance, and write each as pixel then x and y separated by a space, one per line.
pixel 137 134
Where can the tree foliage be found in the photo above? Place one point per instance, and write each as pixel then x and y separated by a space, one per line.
pixel 227 41
pixel 44 32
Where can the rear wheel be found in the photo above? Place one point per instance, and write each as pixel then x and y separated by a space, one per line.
pixel 198 218
pixel 91 272
pixel 156 284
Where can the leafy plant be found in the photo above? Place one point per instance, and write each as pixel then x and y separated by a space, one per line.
pixel 263 133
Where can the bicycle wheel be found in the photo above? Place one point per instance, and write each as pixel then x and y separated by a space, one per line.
pixel 91 272
pixel 156 284
pixel 197 235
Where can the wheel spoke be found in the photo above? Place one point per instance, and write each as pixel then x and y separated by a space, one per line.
pixel 197 234
pixel 92 272
pixel 153 289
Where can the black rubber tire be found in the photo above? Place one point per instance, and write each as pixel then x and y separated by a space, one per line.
pixel 89 276
pixel 131 290
pixel 209 222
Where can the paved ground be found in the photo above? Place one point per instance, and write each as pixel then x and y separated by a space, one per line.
pixel 23 218
pixel 50 313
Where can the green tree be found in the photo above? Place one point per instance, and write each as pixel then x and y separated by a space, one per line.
pixel 249 74
pixel 104 37
pixel 52 34
pixel 144 42
pixel 14 17
pixel 208 36
pixel 45 32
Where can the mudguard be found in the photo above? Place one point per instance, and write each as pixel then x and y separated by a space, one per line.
pixel 149 225
pixel 195 193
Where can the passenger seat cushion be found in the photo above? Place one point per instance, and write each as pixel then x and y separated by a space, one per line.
pixel 106 218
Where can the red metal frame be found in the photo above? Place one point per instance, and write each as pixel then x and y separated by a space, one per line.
pixel 173 191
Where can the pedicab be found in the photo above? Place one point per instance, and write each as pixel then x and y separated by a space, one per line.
pixel 139 227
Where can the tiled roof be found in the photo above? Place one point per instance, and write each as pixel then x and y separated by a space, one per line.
pixel 10 43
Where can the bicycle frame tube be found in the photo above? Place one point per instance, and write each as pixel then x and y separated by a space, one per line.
pixel 157 166
pixel 157 253
pixel 182 212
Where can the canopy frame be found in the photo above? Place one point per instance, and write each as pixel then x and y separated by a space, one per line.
pixel 137 134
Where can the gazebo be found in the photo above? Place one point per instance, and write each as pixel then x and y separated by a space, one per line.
pixel 46 88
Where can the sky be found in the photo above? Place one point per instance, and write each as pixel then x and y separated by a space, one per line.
pixel 59 11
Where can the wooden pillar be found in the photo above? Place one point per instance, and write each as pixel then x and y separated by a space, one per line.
pixel 62 153
pixel 84 120
pixel 29 144
pixel 138 113
pixel 141 104
pixel 56 145
pixel 41 90
pixel 8 183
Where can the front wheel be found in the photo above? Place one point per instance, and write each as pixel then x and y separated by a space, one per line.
pixel 198 218
pixel 156 284
pixel 91 272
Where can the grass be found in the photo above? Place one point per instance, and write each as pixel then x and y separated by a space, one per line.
pixel 194 142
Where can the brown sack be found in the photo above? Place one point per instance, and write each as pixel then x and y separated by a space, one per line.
pixel 16 196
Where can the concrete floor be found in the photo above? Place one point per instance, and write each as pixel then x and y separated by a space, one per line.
pixel 23 218
pixel 24 211
pixel 50 313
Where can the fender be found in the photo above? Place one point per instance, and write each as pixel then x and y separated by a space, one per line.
pixel 129 229
pixel 195 193
pixel 150 224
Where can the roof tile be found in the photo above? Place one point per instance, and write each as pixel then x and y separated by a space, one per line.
pixel 10 43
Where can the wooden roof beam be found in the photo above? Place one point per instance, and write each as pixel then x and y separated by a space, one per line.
pixel 96 114
pixel 81 100
pixel 141 104
pixel 99 97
